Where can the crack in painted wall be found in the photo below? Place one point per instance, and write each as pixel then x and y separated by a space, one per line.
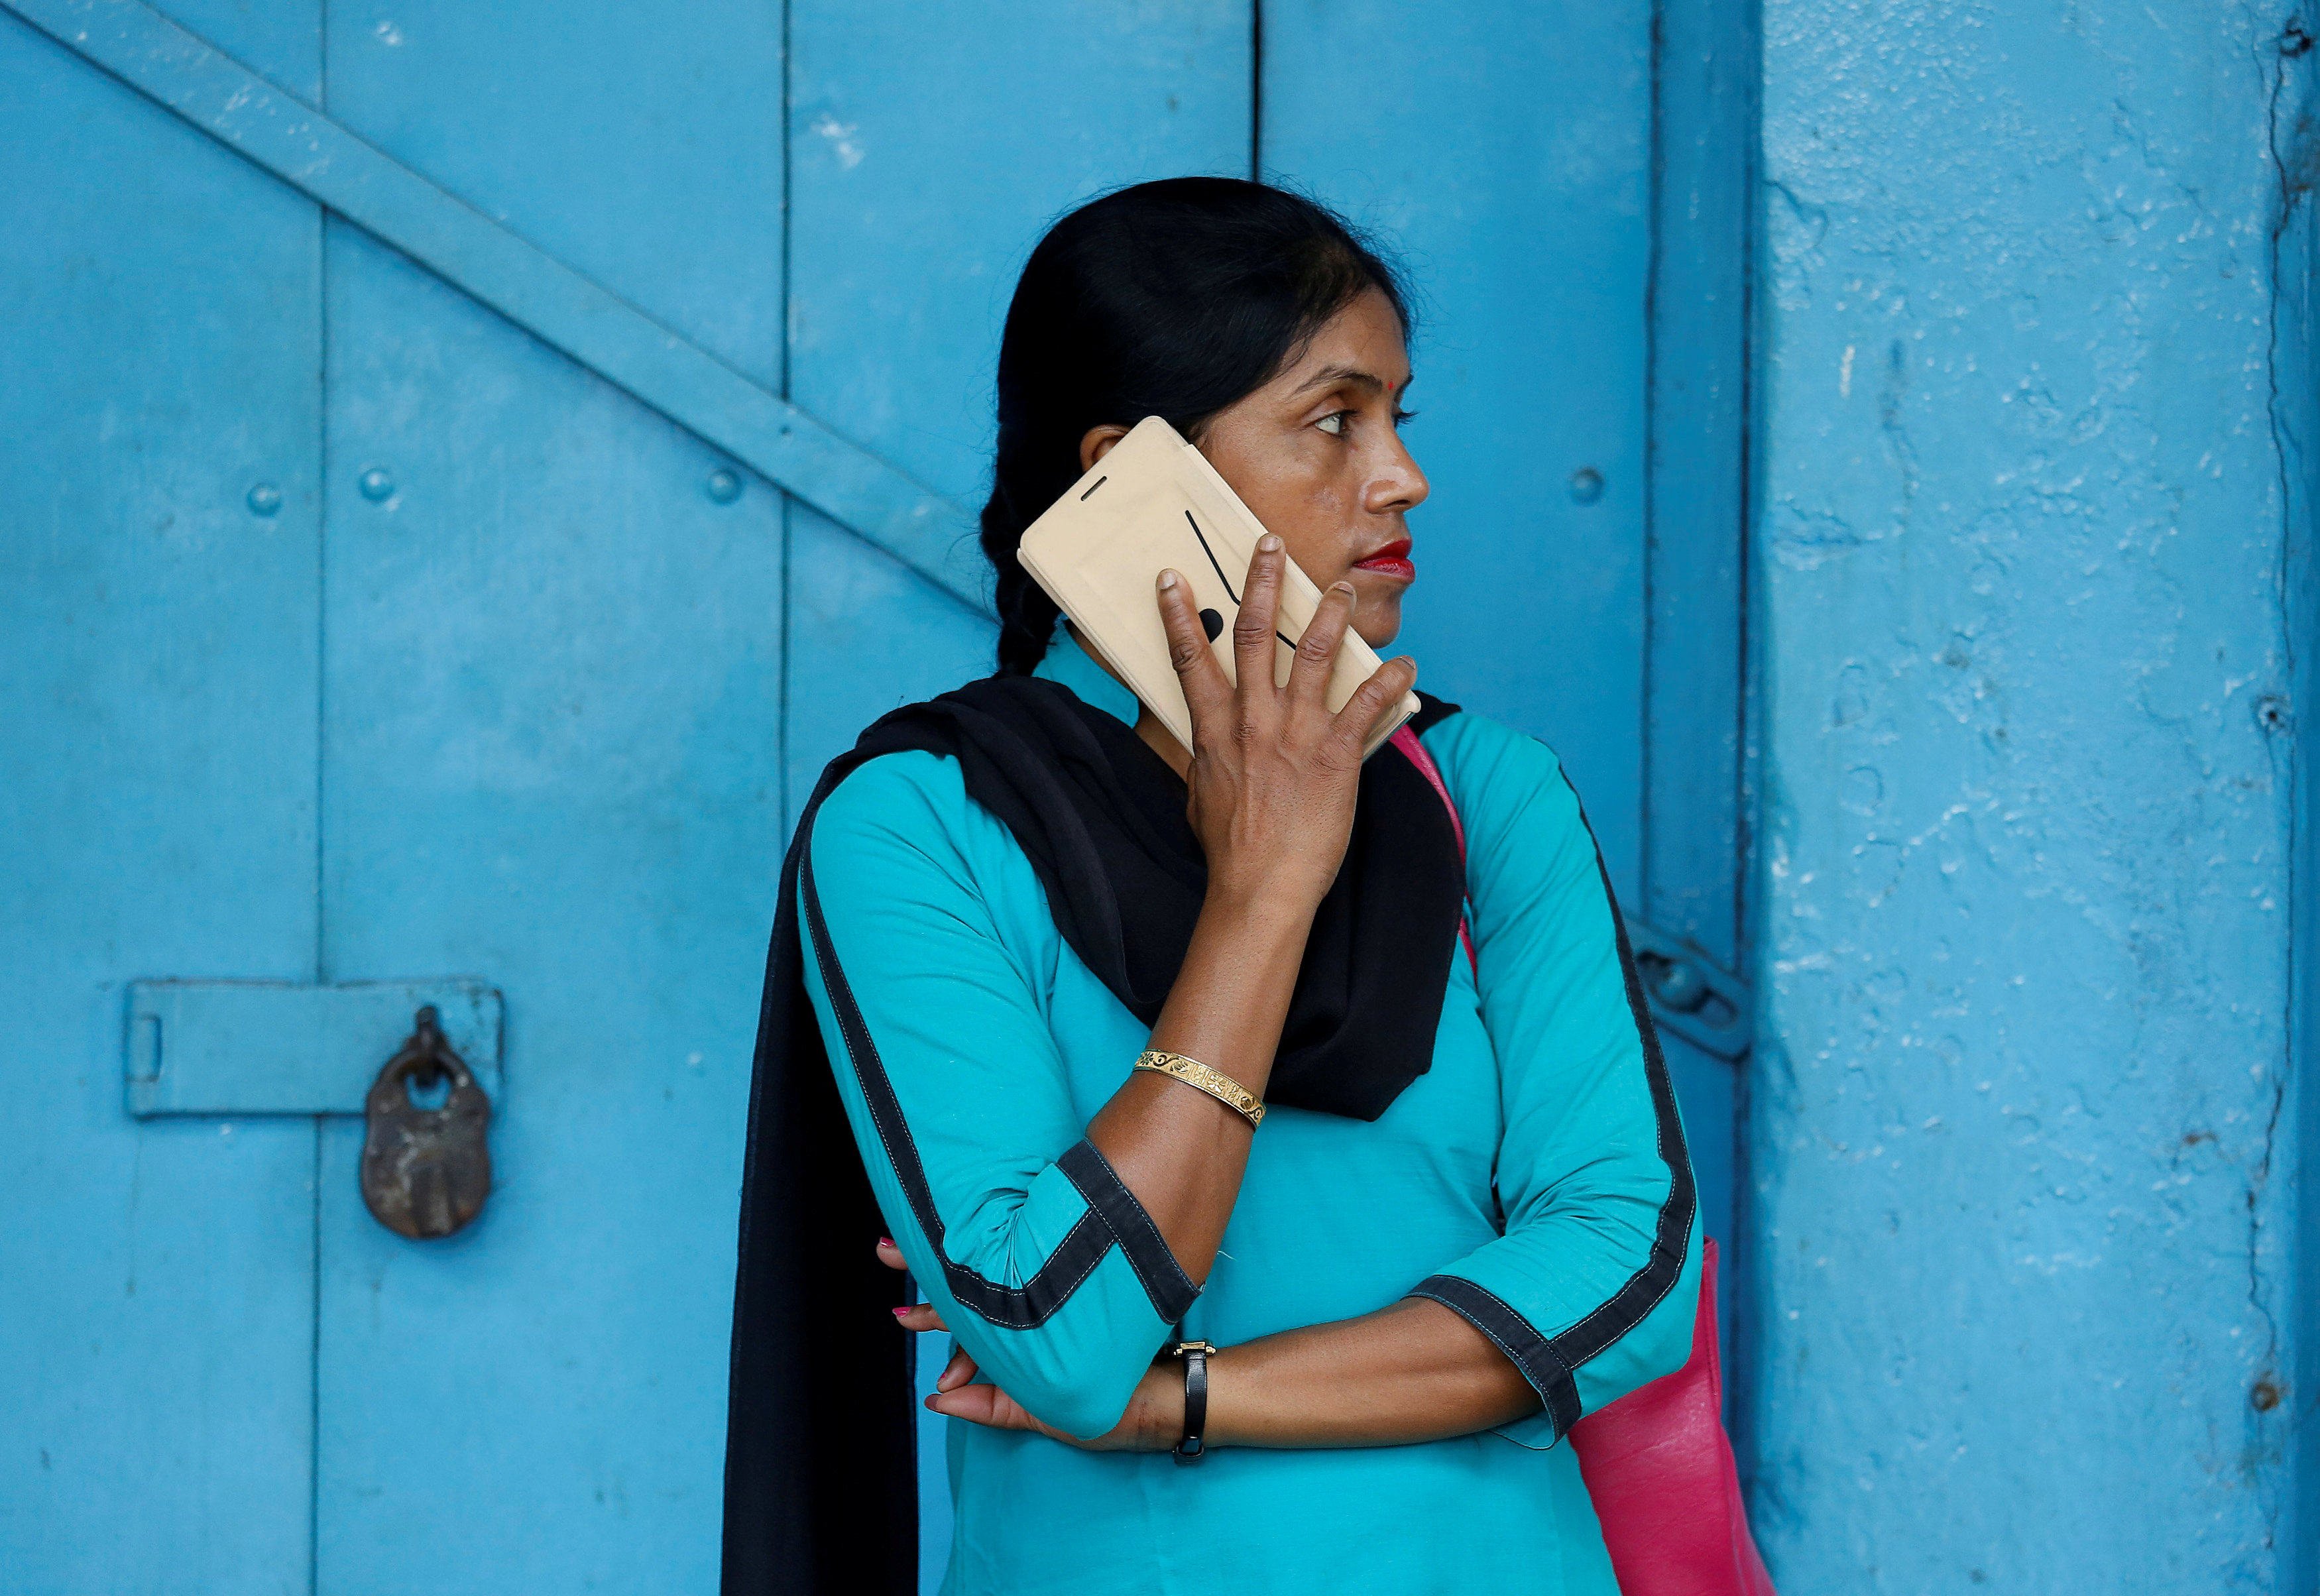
pixel 2284 1215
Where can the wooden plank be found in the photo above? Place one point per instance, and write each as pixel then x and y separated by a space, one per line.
pixel 1694 844
pixel 931 149
pixel 1516 183
pixel 245 1047
pixel 1698 475
pixel 323 158
pixel 554 735
pixel 1513 174
pixel 157 783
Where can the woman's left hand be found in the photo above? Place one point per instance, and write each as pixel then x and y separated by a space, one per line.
pixel 1153 1422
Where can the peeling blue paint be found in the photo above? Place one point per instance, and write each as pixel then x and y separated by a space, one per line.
pixel 2025 1216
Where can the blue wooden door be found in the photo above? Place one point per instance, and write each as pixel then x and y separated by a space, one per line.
pixel 400 601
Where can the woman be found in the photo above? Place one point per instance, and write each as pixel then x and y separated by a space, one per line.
pixel 1466 1218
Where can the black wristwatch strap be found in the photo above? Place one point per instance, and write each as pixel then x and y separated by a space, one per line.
pixel 1195 1355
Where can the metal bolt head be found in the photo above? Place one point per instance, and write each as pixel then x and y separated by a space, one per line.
pixel 724 486
pixel 265 499
pixel 1680 986
pixel 1586 485
pixel 375 484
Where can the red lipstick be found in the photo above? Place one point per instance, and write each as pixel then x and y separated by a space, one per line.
pixel 1392 560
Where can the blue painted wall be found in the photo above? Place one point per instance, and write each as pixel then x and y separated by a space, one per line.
pixel 2028 623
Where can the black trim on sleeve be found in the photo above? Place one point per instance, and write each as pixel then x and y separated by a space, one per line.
pixel 1165 1281
pixel 1548 1363
pixel 1657 1277
pixel 1532 1353
pixel 1113 1213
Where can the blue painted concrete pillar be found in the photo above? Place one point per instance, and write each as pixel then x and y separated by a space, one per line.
pixel 2030 611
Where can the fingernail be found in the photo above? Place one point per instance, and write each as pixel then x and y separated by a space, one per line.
pixel 1167 580
pixel 899 1312
pixel 1345 588
pixel 1270 542
pixel 885 1241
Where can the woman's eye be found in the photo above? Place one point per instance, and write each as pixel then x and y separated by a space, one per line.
pixel 1334 423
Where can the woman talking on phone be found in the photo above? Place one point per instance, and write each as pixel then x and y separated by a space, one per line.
pixel 1287 1188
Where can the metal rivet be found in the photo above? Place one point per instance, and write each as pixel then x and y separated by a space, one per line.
pixel 1680 986
pixel 375 484
pixel 2265 1397
pixel 1586 485
pixel 2271 712
pixel 265 499
pixel 724 486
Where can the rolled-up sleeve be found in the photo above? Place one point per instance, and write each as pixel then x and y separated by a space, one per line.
pixel 1046 1267
pixel 1592 1287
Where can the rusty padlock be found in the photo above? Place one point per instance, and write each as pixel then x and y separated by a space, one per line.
pixel 425 1171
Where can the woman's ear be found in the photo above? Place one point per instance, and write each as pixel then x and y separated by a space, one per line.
pixel 1098 443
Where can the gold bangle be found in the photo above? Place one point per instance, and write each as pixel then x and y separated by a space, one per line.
pixel 1215 1082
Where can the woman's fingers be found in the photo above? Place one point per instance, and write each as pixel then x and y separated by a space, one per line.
pixel 919 1316
pixel 1206 691
pixel 1252 629
pixel 1373 700
pixel 956 1395
pixel 1316 650
pixel 957 1371
pixel 984 1405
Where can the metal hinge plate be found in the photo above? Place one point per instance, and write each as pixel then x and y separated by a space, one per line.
pixel 1692 996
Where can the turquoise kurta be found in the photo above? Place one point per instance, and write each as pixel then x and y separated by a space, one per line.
pixel 1529 1181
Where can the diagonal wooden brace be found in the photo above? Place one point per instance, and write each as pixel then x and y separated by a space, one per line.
pixel 335 168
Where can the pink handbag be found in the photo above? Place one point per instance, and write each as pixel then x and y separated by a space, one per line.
pixel 1658 1463
pixel 1659 1470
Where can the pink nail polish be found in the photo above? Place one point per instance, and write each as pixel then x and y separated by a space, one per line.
pixel 885 1241
pixel 899 1312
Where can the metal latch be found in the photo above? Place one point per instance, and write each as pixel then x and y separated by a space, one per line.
pixel 241 1047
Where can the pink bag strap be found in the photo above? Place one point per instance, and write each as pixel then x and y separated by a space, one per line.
pixel 1405 739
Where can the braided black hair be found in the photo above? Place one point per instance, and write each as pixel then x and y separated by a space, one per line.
pixel 1176 299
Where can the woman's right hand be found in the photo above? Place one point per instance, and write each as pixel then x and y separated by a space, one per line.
pixel 1271 780
pixel 1274 773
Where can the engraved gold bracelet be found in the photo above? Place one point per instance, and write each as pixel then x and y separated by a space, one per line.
pixel 1215 1082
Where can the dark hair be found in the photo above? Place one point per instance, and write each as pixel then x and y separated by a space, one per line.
pixel 1173 299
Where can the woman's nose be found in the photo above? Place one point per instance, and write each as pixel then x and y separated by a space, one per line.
pixel 1401 485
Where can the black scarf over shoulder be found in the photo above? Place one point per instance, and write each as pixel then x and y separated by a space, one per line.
pixel 821 1490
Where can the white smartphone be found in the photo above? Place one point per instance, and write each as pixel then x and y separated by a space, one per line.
pixel 1155 502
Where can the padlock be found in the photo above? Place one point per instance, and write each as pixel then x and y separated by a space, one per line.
pixel 425 1171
